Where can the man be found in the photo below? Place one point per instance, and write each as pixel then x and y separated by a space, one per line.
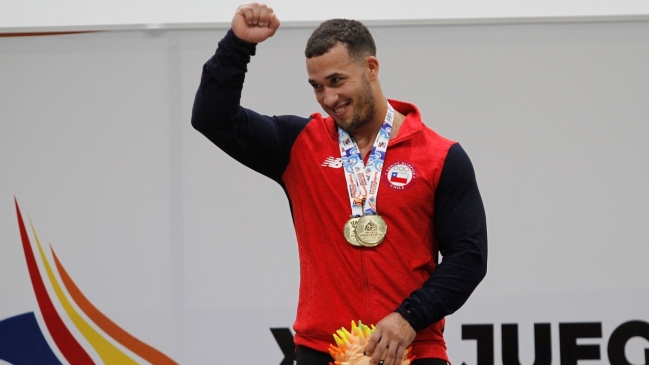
pixel 366 253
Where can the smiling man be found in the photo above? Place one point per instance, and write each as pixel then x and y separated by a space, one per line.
pixel 401 195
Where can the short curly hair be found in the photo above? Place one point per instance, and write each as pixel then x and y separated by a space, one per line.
pixel 352 33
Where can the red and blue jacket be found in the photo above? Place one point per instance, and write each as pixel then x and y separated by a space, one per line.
pixel 428 197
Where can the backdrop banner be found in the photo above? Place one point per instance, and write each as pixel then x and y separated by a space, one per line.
pixel 127 237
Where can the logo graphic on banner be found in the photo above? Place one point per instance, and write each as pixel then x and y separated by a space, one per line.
pixel 23 341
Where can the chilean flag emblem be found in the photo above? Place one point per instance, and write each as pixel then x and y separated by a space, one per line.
pixel 400 175
pixel 399 178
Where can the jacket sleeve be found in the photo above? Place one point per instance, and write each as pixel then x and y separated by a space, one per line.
pixel 461 233
pixel 260 142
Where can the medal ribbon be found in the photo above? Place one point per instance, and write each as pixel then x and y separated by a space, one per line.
pixel 363 181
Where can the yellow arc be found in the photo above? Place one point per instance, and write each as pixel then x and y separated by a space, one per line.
pixel 106 350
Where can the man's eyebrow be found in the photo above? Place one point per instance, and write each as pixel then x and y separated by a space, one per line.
pixel 335 74
pixel 328 77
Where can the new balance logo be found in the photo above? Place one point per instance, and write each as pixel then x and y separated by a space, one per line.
pixel 336 163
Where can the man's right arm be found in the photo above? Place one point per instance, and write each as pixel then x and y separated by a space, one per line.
pixel 260 142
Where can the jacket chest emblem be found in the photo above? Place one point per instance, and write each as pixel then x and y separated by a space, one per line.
pixel 333 162
pixel 400 175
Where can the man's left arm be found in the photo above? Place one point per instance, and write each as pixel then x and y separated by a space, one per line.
pixel 461 232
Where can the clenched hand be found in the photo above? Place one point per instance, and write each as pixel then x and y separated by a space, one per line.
pixel 254 22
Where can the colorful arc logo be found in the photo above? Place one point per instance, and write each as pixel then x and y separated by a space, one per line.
pixel 22 338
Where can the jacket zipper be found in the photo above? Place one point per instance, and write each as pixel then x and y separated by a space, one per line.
pixel 366 288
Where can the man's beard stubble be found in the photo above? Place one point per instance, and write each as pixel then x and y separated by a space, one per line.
pixel 365 99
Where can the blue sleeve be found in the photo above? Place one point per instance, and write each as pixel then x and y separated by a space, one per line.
pixel 260 142
pixel 461 234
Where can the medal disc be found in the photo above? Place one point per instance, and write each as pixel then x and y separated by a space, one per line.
pixel 349 230
pixel 371 230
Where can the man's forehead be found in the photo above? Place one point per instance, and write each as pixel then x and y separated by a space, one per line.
pixel 338 51
pixel 334 60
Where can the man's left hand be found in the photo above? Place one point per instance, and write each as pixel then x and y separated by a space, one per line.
pixel 392 336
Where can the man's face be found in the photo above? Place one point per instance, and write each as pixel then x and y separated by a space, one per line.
pixel 342 87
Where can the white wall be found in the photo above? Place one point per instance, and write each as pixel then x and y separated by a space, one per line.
pixel 38 15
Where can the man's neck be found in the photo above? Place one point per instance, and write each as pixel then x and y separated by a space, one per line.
pixel 366 136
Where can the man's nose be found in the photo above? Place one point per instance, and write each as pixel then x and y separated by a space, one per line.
pixel 330 97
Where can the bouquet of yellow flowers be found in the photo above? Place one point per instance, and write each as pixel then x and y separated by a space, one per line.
pixel 350 349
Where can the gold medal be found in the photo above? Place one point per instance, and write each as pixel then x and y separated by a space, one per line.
pixel 349 230
pixel 371 230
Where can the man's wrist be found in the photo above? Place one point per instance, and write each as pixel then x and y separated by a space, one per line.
pixel 407 315
pixel 231 35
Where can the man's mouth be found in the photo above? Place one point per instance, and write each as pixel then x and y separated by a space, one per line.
pixel 339 110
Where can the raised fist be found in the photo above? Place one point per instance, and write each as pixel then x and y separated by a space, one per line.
pixel 254 22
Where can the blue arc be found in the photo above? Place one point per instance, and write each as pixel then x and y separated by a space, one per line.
pixel 23 342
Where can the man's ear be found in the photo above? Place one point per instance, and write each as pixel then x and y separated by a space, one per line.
pixel 372 67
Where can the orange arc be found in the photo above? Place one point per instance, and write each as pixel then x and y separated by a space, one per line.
pixel 109 327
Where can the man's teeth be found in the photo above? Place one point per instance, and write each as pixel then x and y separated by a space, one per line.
pixel 339 110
